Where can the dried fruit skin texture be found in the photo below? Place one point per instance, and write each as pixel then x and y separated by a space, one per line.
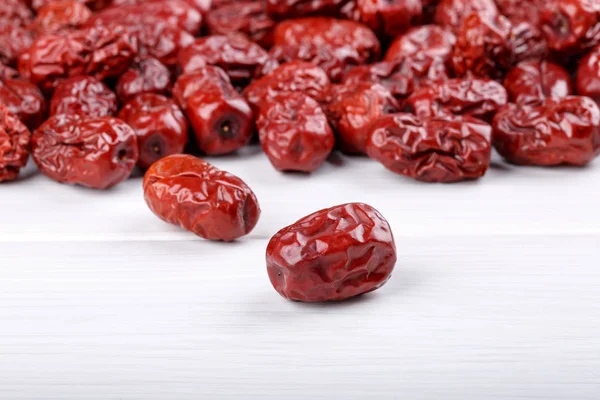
pixel 588 75
pixel 248 17
pixel 435 150
pixel 530 82
pixel 94 152
pixel 85 96
pixel 331 255
pixel 220 117
pixel 23 99
pixel 160 126
pixel 451 13
pixel 431 41
pixel 479 98
pixel 189 192
pixel 294 132
pixel 145 76
pixel 558 131
pixel 14 145
pixel 62 15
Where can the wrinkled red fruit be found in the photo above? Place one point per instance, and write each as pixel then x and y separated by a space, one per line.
pixel 160 126
pixel 390 17
pixel 434 150
pixel 283 9
pixel 85 96
pixel 294 132
pixel 478 98
pixel 530 82
pixel 23 99
pixel 571 26
pixel 332 44
pixel 333 254
pixel 522 10
pixel 234 54
pixel 145 76
pixel 16 12
pixel 558 131
pixel 401 77
pixel 352 110
pixel 189 192
pixel 295 76
pixel 221 119
pixel 587 81
pixel 61 15
pixel 14 41
pixel 483 47
pixel 98 51
pixel 248 17
pixel 92 4
pixel 161 41
pixel 429 41
pixel 201 5
pixel 174 12
pixel 451 13
pixel 94 152
pixel 14 143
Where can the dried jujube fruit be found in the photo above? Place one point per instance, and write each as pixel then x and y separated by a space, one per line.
pixel 94 152
pixel 428 40
pixel 433 150
pixel 83 95
pixel 248 17
pixel 587 80
pixel 557 131
pixel 191 193
pixel 530 82
pixel 159 124
pixel 144 76
pixel 294 132
pixel 14 145
pixel 62 15
pixel 22 98
pixel 331 255
pixel 451 13
pixel 220 117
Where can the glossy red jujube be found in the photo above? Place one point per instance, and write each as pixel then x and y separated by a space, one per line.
pixel 191 193
pixel 83 95
pixel 63 15
pixel 451 13
pixel 558 131
pixel 430 41
pixel 160 126
pixel 390 17
pixel 248 17
pixel 294 132
pixel 530 82
pixel 145 76
pixel 433 150
pixel 331 255
pixel 352 110
pixel 14 145
pixel 587 81
pixel 479 98
pixel 295 76
pixel 220 117
pixel 235 54
pixel 94 152
pixel 23 99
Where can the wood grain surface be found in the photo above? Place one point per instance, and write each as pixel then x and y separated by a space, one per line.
pixel 496 294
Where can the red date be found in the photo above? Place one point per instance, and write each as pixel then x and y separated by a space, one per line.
pixel 571 26
pixel 189 192
pixel 558 131
pixel 62 15
pixel 15 12
pixel 282 9
pixel 478 98
pixel 173 12
pixel 352 110
pixel 160 126
pixel 85 96
pixel 428 41
pixel 161 41
pixel 92 4
pixel 294 132
pixel 451 13
pixel 331 255
pixel 94 152
pixel 22 98
pixel 248 17
pixel 14 41
pixel 145 76
pixel 14 144
pixel 201 5
pixel 434 150
pixel 235 54
pixel 221 119
pixel 530 82
pixel 295 76
pixel 98 51
pixel 390 17
pixel 332 44
pixel 588 75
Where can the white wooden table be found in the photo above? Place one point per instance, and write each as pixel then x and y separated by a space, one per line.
pixel 496 294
